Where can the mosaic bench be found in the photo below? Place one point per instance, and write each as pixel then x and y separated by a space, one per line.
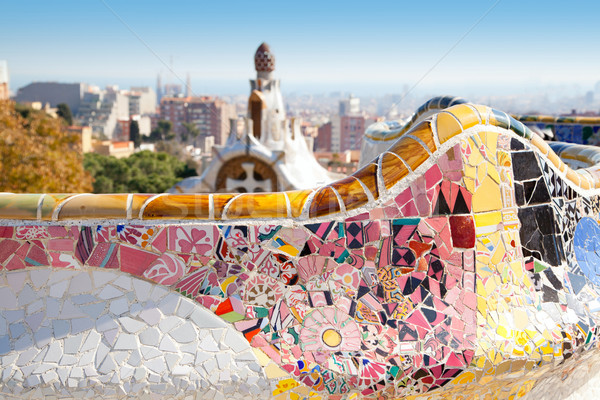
pixel 460 263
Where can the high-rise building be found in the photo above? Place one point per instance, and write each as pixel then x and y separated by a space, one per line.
pixel 350 106
pixel 4 93
pixel 142 100
pixel 210 115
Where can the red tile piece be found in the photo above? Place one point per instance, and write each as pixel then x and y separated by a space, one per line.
pixel 463 231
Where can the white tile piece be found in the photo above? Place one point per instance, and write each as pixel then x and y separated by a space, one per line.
pixel 151 316
pixel 209 344
pixel 135 358
pixel 184 333
pixel 156 365
pixel 131 325
pixel 186 307
pixel 124 282
pixel 235 341
pixel 150 352
pixel 142 289
pixel 126 341
pixel 85 358
pixel 54 353
pixel 34 321
pixel 150 336
pixel 81 324
pixel 91 342
pixel 26 296
pixel 36 306
pixel 57 290
pixel 68 359
pixel 204 319
pixel 72 343
pixel 16 280
pixel 109 292
pixel 101 277
pixel 119 306
pixel 169 304
pixel 9 300
pixel 167 344
pixel 101 353
pixel 39 277
pixel 81 283
pixel 105 323
pixel 53 308
pixel 169 323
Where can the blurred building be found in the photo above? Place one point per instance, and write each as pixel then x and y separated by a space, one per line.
pixel 4 89
pixel 54 93
pixel 210 115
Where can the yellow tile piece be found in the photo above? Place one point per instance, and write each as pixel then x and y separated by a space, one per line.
pixel 351 191
pixel 483 111
pixel 297 200
pixel 324 202
pixel 262 358
pixel 258 205
pixel 424 132
pixel 19 206
pixel 411 151
pixel 487 197
pixel 177 206
pixel 492 172
pixel 50 202
pixel 273 371
pixel 503 159
pixel 392 169
pixel 95 206
pixel 465 114
pixel 447 126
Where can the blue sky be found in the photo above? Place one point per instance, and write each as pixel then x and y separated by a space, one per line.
pixel 334 45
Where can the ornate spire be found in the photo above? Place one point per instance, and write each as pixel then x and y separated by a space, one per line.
pixel 264 60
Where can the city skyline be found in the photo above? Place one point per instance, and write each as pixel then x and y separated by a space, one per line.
pixel 483 46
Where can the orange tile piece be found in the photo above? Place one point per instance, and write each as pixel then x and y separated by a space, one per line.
pixel 368 176
pixel 50 202
pixel 447 126
pixel 351 191
pixel 95 206
pixel 178 206
pixel 392 169
pixel 541 144
pixel 137 202
pixel 324 202
pixel 297 200
pixel 410 151
pixel 465 114
pixel 258 205
pixel 220 201
pixel 423 131
pixel 19 206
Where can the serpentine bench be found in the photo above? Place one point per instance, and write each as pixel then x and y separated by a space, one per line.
pixel 460 262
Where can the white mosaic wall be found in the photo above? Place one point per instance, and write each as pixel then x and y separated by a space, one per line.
pixel 85 333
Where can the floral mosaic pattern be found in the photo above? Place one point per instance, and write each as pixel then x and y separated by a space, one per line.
pixel 475 275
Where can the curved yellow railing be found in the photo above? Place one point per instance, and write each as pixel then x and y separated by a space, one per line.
pixel 412 148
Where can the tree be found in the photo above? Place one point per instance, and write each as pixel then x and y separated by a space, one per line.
pixel 64 112
pixel 191 130
pixel 37 154
pixel 162 131
pixel 142 172
pixel 134 133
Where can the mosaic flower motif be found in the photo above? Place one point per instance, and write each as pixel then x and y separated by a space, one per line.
pixel 166 270
pixel 328 329
pixel 310 266
pixel 263 291
pixel 198 240
pixel 136 235
pixel 31 232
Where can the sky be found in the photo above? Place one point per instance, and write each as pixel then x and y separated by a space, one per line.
pixel 383 47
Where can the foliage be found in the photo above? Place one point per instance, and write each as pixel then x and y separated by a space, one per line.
pixel 143 172
pixel 64 112
pixel 37 154
pixel 134 133
pixel 191 130
pixel 163 131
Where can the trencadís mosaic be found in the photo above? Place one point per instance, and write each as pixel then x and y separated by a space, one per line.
pixel 461 263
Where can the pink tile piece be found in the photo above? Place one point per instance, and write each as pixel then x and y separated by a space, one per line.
pixel 160 241
pixel 432 176
pixel 62 260
pixel 61 245
pixel 14 263
pixel 105 255
pixel 6 231
pixel 192 239
pixel 166 269
pixel 7 248
pixel 135 260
